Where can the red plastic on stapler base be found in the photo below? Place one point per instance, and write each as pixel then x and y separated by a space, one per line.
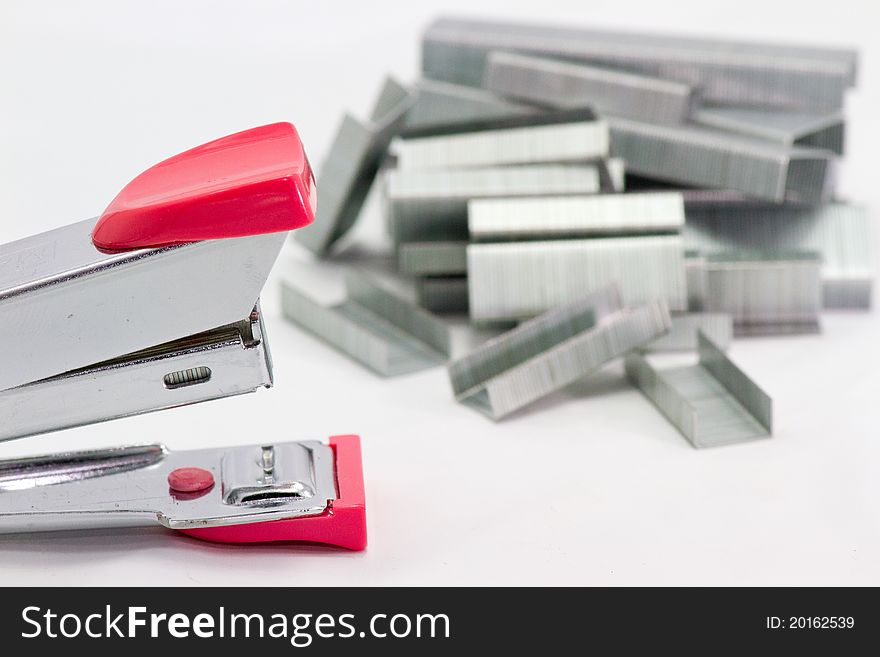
pixel 253 182
pixel 344 523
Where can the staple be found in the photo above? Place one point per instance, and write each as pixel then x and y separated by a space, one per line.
pixel 351 165
pixel 712 404
pixel 432 258
pixel 727 72
pixel 562 136
pixel 555 217
pixel 840 232
pixel 443 294
pixel 432 205
pixel 788 128
pixel 553 350
pixel 516 280
pixel 570 85
pixel 440 103
pixel 704 157
pixel 765 295
pixel 682 335
pixel 373 325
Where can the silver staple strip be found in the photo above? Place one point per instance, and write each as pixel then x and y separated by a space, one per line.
pixel 551 351
pixel 350 167
pixel 703 157
pixel 432 205
pixel 440 103
pixel 516 280
pixel 840 232
pixel 570 136
pixel 432 258
pixel 682 336
pixel 712 404
pixel 443 294
pixel 607 91
pixel 765 294
pixel 727 72
pixel 784 127
pixel 373 325
pixel 556 217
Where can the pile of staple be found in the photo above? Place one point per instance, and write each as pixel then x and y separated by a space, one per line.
pixel 608 195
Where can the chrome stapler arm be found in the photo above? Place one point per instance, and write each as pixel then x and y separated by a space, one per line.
pixel 155 304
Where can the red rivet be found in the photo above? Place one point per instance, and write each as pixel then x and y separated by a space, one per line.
pixel 190 480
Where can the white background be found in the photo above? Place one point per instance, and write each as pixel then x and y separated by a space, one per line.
pixel 591 486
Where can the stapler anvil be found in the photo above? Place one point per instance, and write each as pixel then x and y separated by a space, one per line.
pixel 153 305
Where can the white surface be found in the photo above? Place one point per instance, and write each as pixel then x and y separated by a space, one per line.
pixel 591 486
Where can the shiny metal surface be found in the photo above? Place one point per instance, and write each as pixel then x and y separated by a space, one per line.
pixel 567 84
pixel 128 486
pixel 553 350
pixel 231 360
pixel 64 305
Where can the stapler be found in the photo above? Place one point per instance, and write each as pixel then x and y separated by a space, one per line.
pixel 154 305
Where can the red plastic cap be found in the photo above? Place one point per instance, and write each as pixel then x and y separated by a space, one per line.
pixel 344 523
pixel 253 182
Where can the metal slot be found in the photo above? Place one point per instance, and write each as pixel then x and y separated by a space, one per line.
pixel 553 350
pixel 351 166
pixel 374 326
pixel 575 216
pixel 727 72
pixel 569 136
pixel 432 205
pixel 712 403
pixel 516 280
pixel 566 84
pixel 189 377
